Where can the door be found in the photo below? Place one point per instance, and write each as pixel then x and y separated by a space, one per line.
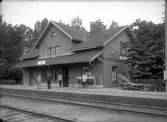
pixel 114 73
pixel 65 77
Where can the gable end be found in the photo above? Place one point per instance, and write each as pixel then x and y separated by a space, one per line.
pixel 42 35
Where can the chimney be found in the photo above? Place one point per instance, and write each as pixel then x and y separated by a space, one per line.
pixel 93 26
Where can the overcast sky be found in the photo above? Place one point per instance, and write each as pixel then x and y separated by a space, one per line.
pixel 123 11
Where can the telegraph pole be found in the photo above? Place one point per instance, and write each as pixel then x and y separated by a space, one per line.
pixel 165 72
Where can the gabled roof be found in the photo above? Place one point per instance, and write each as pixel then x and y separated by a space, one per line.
pixel 99 38
pixel 73 33
pixel 31 55
pixel 94 40
pixel 81 57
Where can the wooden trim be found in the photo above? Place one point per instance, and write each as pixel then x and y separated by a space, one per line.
pixel 96 56
pixel 62 30
pixel 51 22
pixel 108 59
pixel 115 35
pixel 41 35
pixel 85 48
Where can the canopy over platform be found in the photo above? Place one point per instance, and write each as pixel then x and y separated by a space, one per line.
pixel 81 57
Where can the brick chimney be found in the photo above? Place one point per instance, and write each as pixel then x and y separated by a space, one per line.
pixel 93 26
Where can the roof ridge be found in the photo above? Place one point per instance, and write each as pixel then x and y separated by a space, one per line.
pixel 99 39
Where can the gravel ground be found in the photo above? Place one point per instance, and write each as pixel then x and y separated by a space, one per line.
pixel 78 113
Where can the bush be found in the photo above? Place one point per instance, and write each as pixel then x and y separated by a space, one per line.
pixel 8 82
pixel 16 74
pixel 158 84
pixel 11 74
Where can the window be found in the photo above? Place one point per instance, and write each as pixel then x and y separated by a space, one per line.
pixel 53 34
pixel 57 50
pixel 49 52
pixel 123 49
pixel 53 51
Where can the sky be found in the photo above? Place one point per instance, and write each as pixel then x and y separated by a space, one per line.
pixel 122 11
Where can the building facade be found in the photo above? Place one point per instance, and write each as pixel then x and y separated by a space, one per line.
pixel 73 51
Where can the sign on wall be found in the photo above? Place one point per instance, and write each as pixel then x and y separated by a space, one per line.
pixel 123 57
pixel 41 62
pixel 165 75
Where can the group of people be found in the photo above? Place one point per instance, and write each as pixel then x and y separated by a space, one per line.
pixel 85 79
pixel 60 80
pixel 39 80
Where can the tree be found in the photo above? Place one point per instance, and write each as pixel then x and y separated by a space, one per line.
pixel 28 35
pixel 13 40
pixel 76 21
pixel 97 25
pixel 114 24
pixel 44 22
pixel 146 53
pixel 38 29
pixel 100 24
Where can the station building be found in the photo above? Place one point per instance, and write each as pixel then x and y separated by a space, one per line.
pixel 71 50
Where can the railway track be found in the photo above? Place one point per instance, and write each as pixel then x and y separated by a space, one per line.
pixel 15 114
pixel 156 111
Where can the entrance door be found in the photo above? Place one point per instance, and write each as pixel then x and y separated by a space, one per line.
pixel 65 77
pixel 114 73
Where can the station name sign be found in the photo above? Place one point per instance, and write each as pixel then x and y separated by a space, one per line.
pixel 123 57
pixel 41 62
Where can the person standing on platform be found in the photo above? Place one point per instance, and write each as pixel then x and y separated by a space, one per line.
pixel 84 79
pixel 60 79
pixel 39 80
pixel 49 81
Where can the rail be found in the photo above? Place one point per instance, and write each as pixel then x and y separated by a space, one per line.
pixel 158 111
pixel 30 113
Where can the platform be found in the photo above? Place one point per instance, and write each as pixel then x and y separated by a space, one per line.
pixel 106 95
pixel 88 105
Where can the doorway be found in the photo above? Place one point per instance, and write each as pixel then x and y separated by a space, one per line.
pixel 65 77
pixel 114 73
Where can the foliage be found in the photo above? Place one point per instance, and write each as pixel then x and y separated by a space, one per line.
pixel 114 24
pixel 76 21
pixel 11 40
pixel 38 29
pixel 146 53
pixel 11 48
pixel 43 24
pixel 100 25
pixel 28 38
pixel 97 25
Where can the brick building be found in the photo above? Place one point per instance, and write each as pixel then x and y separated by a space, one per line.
pixel 72 50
